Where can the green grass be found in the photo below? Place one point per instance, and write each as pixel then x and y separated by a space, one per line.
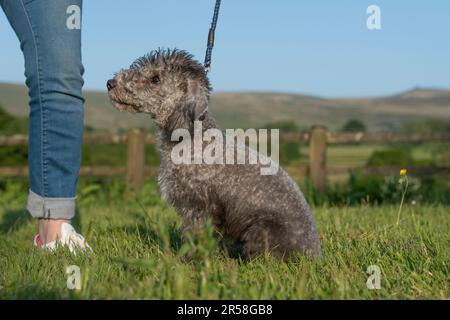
pixel 139 254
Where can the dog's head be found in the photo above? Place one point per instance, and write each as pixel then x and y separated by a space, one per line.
pixel 167 84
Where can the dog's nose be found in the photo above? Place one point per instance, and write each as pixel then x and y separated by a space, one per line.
pixel 111 84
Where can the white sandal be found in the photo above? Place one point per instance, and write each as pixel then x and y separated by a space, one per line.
pixel 69 237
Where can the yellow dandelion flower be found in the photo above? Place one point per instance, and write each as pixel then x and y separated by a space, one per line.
pixel 403 172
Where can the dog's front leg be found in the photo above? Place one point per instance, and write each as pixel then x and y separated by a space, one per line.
pixel 194 221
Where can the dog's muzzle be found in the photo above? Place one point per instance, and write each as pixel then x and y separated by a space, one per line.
pixel 111 84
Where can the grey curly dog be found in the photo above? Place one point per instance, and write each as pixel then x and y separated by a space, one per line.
pixel 260 213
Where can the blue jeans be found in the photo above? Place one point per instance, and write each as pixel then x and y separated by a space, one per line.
pixel 50 39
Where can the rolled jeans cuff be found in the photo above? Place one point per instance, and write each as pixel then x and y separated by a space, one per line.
pixel 50 208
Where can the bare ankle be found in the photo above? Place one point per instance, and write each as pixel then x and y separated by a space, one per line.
pixel 49 229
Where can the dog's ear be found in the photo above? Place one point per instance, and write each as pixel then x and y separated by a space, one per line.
pixel 197 99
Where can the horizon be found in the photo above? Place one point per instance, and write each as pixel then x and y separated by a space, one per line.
pixel 306 94
pixel 322 49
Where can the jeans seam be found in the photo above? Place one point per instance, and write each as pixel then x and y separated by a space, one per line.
pixel 43 122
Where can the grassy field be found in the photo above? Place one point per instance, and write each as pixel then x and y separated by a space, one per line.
pixel 138 254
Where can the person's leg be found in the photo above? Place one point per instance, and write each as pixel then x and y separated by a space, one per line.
pixel 50 39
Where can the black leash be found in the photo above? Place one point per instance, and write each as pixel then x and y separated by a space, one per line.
pixel 210 44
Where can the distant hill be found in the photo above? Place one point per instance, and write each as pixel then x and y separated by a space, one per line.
pixel 255 109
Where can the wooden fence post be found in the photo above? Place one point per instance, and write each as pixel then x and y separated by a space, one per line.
pixel 318 157
pixel 136 158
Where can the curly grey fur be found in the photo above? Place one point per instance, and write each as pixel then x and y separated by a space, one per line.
pixel 261 213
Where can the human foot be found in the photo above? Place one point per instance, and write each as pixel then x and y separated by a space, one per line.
pixel 50 229
pixel 65 235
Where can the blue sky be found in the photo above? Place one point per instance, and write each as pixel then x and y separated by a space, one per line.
pixel 319 47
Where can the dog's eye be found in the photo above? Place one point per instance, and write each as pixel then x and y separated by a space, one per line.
pixel 155 80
